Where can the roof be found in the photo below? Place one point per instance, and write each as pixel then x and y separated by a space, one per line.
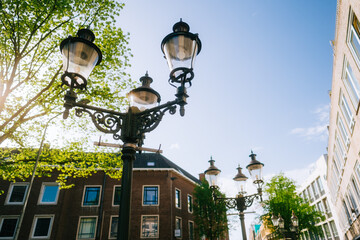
pixel 158 161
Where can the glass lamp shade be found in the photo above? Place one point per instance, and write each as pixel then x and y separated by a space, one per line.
pixel 180 48
pixel 255 168
pixel 294 220
pixel 240 181
pixel 275 220
pixel 80 56
pixel 281 222
pixel 144 97
pixel 211 173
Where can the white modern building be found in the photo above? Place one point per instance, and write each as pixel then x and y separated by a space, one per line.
pixel 315 190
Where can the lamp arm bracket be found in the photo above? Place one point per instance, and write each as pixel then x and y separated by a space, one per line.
pixel 106 121
pixel 150 119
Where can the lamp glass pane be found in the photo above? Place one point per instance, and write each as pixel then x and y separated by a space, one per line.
pixel 143 100
pixel 255 171
pixel 180 51
pixel 80 58
pixel 212 179
pixel 241 186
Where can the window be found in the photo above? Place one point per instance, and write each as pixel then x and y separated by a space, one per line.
pixel 190 204
pixel 149 227
pixel 87 228
pixel 321 187
pixel 91 196
pixel 17 193
pixel 42 227
pixel 116 198
pixel 352 85
pixel 150 195
pixel 341 149
pixel 191 230
pixel 178 227
pixel 7 226
pixel 354 38
pixel 334 229
pixel 327 231
pixel 177 198
pixel 49 193
pixel 113 227
pixel 311 194
pixel 345 109
pixel 315 189
pixel 326 207
pixel 343 133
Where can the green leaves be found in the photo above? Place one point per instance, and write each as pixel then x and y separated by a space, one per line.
pixel 17 165
pixel 283 199
pixel 210 217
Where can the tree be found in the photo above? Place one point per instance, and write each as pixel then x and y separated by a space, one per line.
pixel 30 85
pixel 283 199
pixel 30 61
pixel 210 217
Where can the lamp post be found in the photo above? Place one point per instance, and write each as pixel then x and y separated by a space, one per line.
pixel 241 202
pixel 81 55
pixel 279 223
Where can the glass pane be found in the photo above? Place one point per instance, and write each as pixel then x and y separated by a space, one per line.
pixel 114 227
pixel 8 227
pixel 18 193
pixel 91 196
pixel 150 195
pixel 50 194
pixel 117 196
pixel 87 228
pixel 42 227
pixel 149 226
pixel 177 198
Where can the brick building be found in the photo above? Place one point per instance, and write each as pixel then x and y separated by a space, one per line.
pixel 162 205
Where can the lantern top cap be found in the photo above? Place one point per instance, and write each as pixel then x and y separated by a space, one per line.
pixel 240 176
pixel 253 160
pixel 181 26
pixel 146 79
pixel 212 170
pixel 86 34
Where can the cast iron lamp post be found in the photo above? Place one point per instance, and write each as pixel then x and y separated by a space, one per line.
pixel 279 223
pixel 241 202
pixel 81 55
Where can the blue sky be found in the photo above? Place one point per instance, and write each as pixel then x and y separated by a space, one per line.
pixel 261 80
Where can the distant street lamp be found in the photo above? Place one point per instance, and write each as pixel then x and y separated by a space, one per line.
pixel 279 223
pixel 241 202
pixel 81 55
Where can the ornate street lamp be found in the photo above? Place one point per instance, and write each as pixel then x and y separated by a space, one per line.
pixel 240 202
pixel 279 223
pixel 81 55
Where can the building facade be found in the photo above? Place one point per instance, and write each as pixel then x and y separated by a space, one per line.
pixel 162 205
pixel 315 190
pixel 343 174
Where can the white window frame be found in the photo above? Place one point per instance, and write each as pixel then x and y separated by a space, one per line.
pixel 9 217
pixel 192 203
pixel 181 227
pixel 178 206
pixel 352 32
pixel 346 112
pixel 11 187
pixel 158 195
pixel 343 132
pixel 158 226
pixel 36 217
pixel 113 198
pixel 84 191
pixel 111 219
pixel 351 84
pixel 42 191
pixel 78 229
pixel 341 147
